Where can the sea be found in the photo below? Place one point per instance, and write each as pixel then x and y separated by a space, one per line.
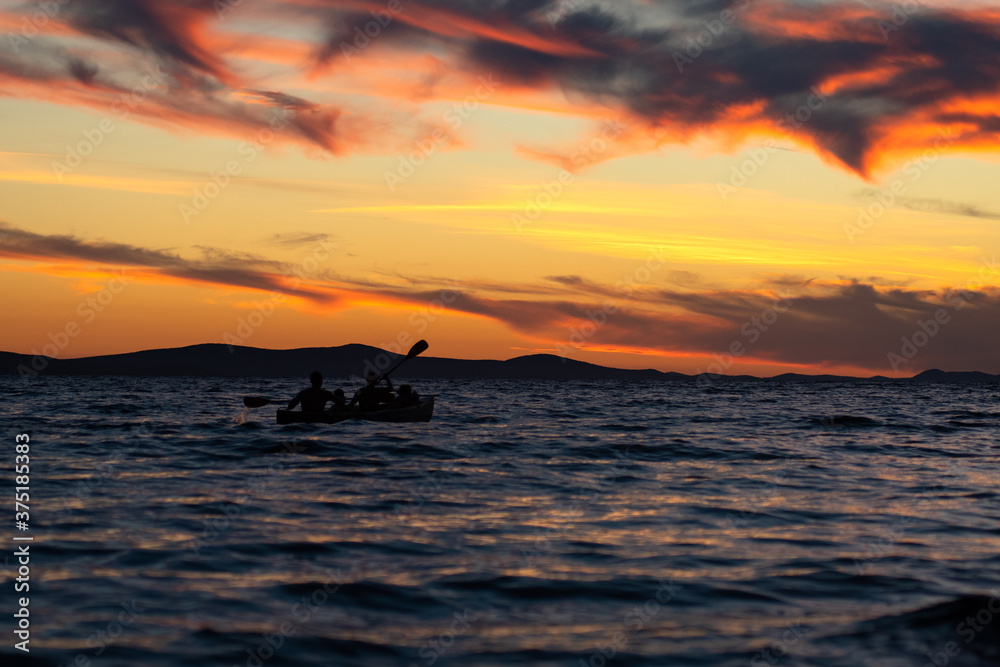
pixel 558 524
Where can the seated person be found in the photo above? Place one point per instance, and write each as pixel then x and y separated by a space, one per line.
pixel 315 397
pixel 372 396
pixel 339 400
pixel 406 397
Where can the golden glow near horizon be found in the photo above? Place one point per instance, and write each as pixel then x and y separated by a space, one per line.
pixel 401 190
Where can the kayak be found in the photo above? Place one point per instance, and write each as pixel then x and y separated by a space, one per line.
pixel 421 412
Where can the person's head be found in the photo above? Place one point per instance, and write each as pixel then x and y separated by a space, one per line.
pixel 405 389
pixel 371 378
pixel 317 379
pixel 338 395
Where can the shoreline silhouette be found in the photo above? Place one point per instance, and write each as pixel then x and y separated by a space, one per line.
pixel 221 360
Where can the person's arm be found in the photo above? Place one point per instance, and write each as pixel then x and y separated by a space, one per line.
pixel 295 401
pixel 388 384
pixel 354 399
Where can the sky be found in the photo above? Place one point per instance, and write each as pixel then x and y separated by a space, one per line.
pixel 690 185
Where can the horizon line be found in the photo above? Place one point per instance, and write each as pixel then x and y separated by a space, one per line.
pixel 720 376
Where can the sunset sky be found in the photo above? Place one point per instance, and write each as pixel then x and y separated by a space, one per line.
pixel 742 187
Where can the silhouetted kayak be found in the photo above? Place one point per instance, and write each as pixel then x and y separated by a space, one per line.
pixel 421 412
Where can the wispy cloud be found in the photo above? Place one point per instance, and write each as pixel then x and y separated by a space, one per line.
pixel 947 207
pixel 825 75
pixel 296 239
pixel 218 267
pixel 752 67
pixel 785 320
pixel 172 30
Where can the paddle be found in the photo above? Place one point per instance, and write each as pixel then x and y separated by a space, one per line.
pixel 259 401
pixel 418 348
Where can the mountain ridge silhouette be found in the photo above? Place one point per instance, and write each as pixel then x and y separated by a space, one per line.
pixel 352 360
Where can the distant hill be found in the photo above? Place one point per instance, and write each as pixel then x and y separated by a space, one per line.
pixel 934 375
pixel 218 360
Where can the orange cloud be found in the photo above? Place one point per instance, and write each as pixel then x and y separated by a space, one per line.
pixel 856 83
pixel 785 321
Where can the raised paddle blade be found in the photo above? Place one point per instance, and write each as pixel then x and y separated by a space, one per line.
pixel 256 401
pixel 417 348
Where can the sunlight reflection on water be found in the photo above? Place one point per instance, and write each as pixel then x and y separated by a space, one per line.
pixel 547 511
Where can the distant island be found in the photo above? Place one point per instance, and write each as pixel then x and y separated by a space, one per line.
pixel 220 360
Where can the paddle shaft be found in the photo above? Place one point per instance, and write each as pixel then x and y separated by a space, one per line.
pixel 261 401
pixel 419 347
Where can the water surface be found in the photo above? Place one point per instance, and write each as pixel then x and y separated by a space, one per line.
pixel 541 523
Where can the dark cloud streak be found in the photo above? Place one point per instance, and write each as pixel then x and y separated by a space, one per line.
pixel 760 58
pixel 167 28
pixel 796 321
pixel 217 267
pixel 755 70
